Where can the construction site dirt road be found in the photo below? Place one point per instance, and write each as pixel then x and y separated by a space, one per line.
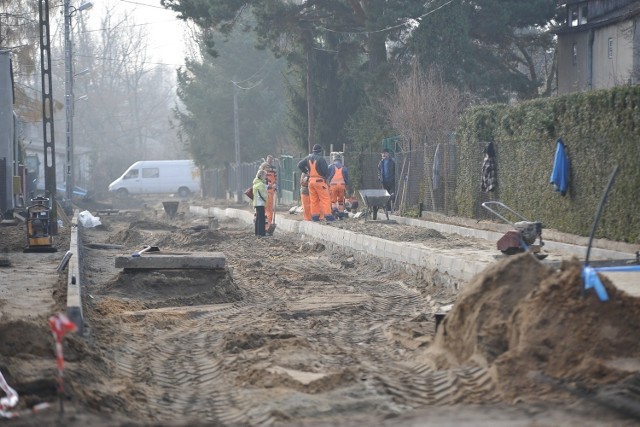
pixel 296 333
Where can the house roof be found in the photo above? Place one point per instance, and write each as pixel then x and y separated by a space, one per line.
pixel 622 14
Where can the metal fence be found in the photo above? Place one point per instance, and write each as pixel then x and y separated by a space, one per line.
pixel 425 178
pixel 222 183
pixel 440 165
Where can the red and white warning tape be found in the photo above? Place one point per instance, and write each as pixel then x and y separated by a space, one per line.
pixel 60 325
pixel 10 400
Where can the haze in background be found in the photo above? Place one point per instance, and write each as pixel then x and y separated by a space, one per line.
pixel 166 32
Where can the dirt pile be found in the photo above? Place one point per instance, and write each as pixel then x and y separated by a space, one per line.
pixel 13 238
pixel 531 322
pixel 174 288
pixel 21 337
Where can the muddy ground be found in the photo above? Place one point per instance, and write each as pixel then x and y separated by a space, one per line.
pixel 294 333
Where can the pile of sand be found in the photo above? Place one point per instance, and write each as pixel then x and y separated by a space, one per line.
pixel 530 322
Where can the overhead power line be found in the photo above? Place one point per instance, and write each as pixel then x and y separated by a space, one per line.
pixel 143 4
pixel 393 27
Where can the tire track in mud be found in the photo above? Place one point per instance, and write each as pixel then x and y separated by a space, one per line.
pixel 470 384
pixel 184 374
pixel 233 363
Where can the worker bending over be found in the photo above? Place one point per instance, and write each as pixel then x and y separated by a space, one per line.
pixel 316 167
pixel 338 182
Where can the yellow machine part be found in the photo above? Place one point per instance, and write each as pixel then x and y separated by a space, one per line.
pixel 39 241
pixel 38 235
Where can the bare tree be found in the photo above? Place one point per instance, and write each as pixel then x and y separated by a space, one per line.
pixel 424 110
pixel 424 107
pixel 126 116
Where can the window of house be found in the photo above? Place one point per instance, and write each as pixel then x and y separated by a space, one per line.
pixel 150 172
pixel 610 48
pixel 583 14
pixel 575 54
pixel 573 16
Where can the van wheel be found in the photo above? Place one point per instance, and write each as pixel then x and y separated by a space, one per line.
pixel 183 192
pixel 122 193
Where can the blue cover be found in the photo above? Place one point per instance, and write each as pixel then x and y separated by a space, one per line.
pixel 560 174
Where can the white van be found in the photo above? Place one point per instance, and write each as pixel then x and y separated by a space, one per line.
pixel 157 177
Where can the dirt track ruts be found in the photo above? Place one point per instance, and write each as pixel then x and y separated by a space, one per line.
pixel 315 336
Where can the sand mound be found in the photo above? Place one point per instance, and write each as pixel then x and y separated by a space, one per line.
pixel 22 337
pixel 131 238
pixel 526 319
pixel 172 288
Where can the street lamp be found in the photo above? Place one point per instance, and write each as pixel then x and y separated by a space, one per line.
pixel 69 11
pixel 236 132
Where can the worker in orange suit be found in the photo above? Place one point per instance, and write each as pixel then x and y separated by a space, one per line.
pixel 304 197
pixel 316 167
pixel 271 169
pixel 338 182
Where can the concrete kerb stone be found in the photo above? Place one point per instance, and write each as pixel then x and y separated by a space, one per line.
pixel 421 262
pixel 394 250
pixel 74 296
pixel 576 249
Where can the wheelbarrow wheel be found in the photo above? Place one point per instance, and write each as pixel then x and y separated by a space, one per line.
pixel 374 213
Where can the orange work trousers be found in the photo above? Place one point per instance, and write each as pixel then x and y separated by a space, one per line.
pixel 270 206
pixel 337 197
pixel 320 200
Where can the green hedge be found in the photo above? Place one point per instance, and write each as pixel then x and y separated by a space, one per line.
pixel 600 129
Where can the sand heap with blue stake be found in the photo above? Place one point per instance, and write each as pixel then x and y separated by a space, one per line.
pixel 541 333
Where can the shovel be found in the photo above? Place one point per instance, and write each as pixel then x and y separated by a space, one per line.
pixel 272 226
pixel 145 249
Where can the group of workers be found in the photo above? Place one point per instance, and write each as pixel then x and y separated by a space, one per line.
pixel 323 188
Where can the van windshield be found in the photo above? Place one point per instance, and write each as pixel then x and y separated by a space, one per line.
pixel 133 173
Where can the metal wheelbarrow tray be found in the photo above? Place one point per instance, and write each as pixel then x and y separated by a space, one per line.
pixel 374 200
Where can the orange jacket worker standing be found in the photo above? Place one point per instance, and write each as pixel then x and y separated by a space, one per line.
pixel 316 167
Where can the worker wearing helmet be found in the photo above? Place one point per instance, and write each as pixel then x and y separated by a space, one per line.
pixel 316 167
pixel 338 182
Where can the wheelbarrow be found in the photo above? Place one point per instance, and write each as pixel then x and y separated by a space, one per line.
pixel 374 200
pixel 526 236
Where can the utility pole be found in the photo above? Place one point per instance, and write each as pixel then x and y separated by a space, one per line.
pixel 69 11
pixel 47 114
pixel 236 129
pixel 310 123
pixel 68 100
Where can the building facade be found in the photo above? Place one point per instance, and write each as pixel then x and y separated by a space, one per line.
pixel 598 45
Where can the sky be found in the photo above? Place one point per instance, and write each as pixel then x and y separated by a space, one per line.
pixel 166 32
